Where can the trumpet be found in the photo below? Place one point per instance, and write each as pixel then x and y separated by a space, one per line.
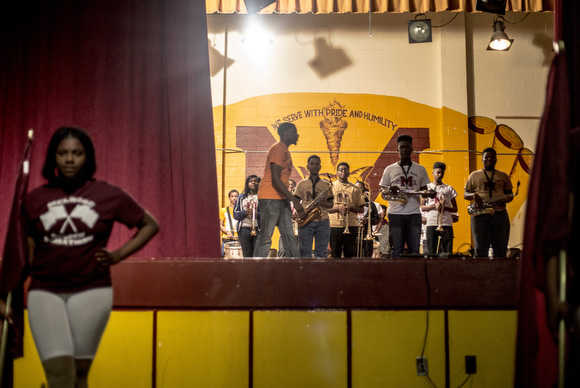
pixel 345 221
pixel 369 227
pixel 441 200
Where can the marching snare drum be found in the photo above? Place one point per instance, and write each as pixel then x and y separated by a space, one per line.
pixel 233 250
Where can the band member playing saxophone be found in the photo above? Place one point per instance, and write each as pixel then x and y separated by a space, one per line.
pixel 348 202
pixel 438 211
pixel 315 193
pixel 491 228
pixel 247 213
pixel 405 217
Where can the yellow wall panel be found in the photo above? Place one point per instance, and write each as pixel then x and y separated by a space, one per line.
pixel 491 337
pixel 202 349
pixel 124 358
pixel 28 369
pixel 385 345
pixel 300 349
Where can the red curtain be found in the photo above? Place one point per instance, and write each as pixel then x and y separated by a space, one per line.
pixel 135 75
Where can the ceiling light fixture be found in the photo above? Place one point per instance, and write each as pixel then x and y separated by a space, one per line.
pixel 499 39
pixel 420 30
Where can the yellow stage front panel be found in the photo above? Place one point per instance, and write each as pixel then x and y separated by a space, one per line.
pixel 207 349
pixel 300 349
pixel 124 358
pixel 385 345
pixel 491 337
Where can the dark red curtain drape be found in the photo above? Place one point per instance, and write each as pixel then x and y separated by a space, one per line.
pixel 135 75
pixel 549 228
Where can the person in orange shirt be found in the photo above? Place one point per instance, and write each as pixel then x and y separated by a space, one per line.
pixel 274 198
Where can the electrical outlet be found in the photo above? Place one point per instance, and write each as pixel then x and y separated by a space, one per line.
pixel 470 365
pixel 422 369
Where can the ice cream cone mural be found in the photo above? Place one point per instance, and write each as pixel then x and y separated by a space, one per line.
pixel 333 127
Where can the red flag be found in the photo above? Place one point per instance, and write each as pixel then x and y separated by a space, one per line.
pixel 15 257
pixel 14 267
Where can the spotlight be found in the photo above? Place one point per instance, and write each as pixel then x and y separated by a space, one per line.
pixel 253 6
pixel 419 30
pixel 499 40
pixel 492 6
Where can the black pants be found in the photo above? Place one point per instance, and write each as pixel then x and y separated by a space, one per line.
pixel 343 245
pixel 446 244
pixel 247 241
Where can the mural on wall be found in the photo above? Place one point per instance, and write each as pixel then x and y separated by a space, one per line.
pixel 362 130
pixel 507 137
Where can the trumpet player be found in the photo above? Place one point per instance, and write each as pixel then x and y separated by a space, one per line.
pixel 493 228
pixel 348 202
pixel 405 218
pixel 376 216
pixel 318 229
pixel 438 211
pixel 246 212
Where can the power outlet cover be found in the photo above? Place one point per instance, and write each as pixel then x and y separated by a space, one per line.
pixel 422 368
pixel 470 365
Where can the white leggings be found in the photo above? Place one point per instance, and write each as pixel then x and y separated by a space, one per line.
pixel 69 324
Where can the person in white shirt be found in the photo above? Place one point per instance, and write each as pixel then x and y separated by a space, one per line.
pixel 405 218
pixel 438 211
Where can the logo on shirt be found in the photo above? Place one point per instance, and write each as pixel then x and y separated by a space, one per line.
pixel 407 181
pixel 68 233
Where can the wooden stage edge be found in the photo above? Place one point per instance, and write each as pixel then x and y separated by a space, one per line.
pixel 410 283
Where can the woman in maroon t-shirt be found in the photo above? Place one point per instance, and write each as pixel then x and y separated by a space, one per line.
pixel 69 221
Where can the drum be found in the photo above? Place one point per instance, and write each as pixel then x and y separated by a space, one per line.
pixel 233 250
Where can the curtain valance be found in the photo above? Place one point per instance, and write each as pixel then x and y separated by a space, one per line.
pixel 378 6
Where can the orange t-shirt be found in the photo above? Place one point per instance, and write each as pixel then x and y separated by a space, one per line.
pixel 277 154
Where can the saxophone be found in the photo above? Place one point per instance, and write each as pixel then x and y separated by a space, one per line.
pixel 313 209
pixel 487 206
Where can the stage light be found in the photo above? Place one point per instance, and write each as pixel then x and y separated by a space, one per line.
pixel 492 6
pixel 256 37
pixel 499 39
pixel 253 6
pixel 419 30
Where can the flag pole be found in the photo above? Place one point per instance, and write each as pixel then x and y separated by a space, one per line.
pixel 5 328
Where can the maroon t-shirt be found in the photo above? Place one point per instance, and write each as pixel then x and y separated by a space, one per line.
pixel 68 229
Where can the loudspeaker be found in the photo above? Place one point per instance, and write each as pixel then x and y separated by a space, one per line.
pixel 492 6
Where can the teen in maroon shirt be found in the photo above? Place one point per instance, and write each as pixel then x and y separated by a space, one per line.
pixel 69 223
